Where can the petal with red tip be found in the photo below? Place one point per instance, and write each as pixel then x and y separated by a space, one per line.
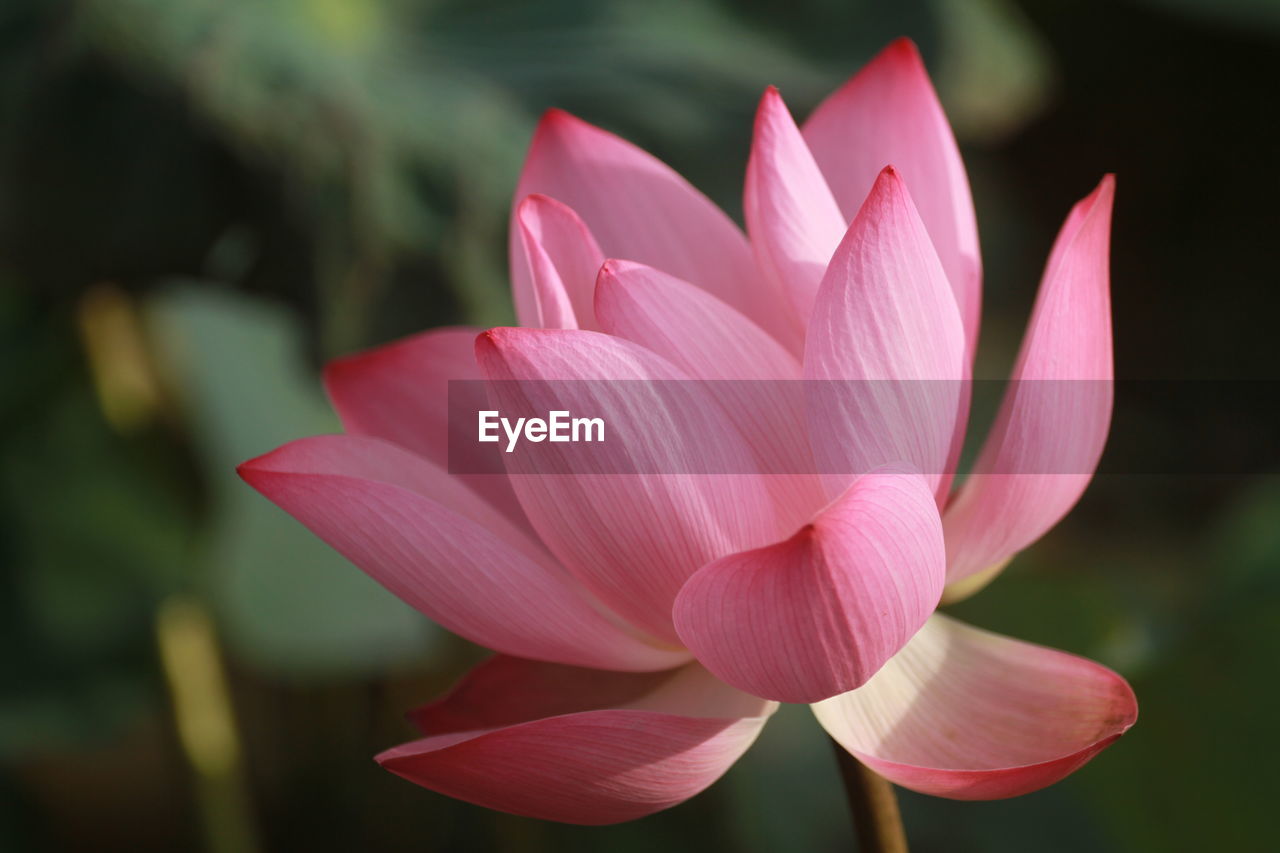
pixel 445 552
pixel 887 337
pixel 971 715
pixel 633 516
pixel 400 392
pixel 641 210
pixel 577 745
pixel 1052 425
pixel 563 261
pixel 889 113
pixel 792 217
pixel 820 613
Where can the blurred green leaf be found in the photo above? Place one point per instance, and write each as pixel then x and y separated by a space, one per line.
pixel 287 602
pixel 995 72
pixel 400 124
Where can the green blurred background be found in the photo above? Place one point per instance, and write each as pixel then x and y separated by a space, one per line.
pixel 201 201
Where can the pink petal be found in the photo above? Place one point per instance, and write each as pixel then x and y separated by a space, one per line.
pixel 445 552
pixel 750 372
pixel 639 209
pixel 792 217
pixel 885 325
pixel 563 260
pixel 400 392
pixel 820 613
pixel 1052 425
pixel 971 715
pixel 689 327
pixel 578 745
pixel 624 515
pixel 889 113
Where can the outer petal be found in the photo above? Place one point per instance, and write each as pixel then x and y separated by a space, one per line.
pixel 578 746
pixel 563 261
pixel 1052 425
pixel 889 113
pixel 400 392
pixel 639 209
pixel 792 217
pixel 819 614
pixel 625 515
pixel 885 329
pixel 466 567
pixel 971 715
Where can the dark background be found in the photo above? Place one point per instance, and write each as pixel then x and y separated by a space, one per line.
pixel 200 202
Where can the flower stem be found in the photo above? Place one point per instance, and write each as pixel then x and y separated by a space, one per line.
pixel 873 804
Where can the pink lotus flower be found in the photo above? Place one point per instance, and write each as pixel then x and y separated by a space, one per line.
pixel 647 625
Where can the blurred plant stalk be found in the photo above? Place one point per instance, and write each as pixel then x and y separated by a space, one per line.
pixel 202 710
pixel 129 395
pixel 115 348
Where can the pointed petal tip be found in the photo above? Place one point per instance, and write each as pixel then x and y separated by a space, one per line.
pixel 388 755
pixel 773 124
pixel 770 100
pixel 1106 189
pixel 899 56
pixel 489 342
pixel 904 47
pixel 554 116
pixel 613 270
pixel 526 205
pixel 501 340
pixel 556 127
pixel 608 282
pixel 252 470
pixel 245 470
pixel 502 334
pixel 609 270
pixel 1100 197
pixel 771 121
pixel 889 188
pixel 533 202
pixel 889 183
pixel 556 122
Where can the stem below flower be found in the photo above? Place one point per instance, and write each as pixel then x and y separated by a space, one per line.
pixel 873 804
